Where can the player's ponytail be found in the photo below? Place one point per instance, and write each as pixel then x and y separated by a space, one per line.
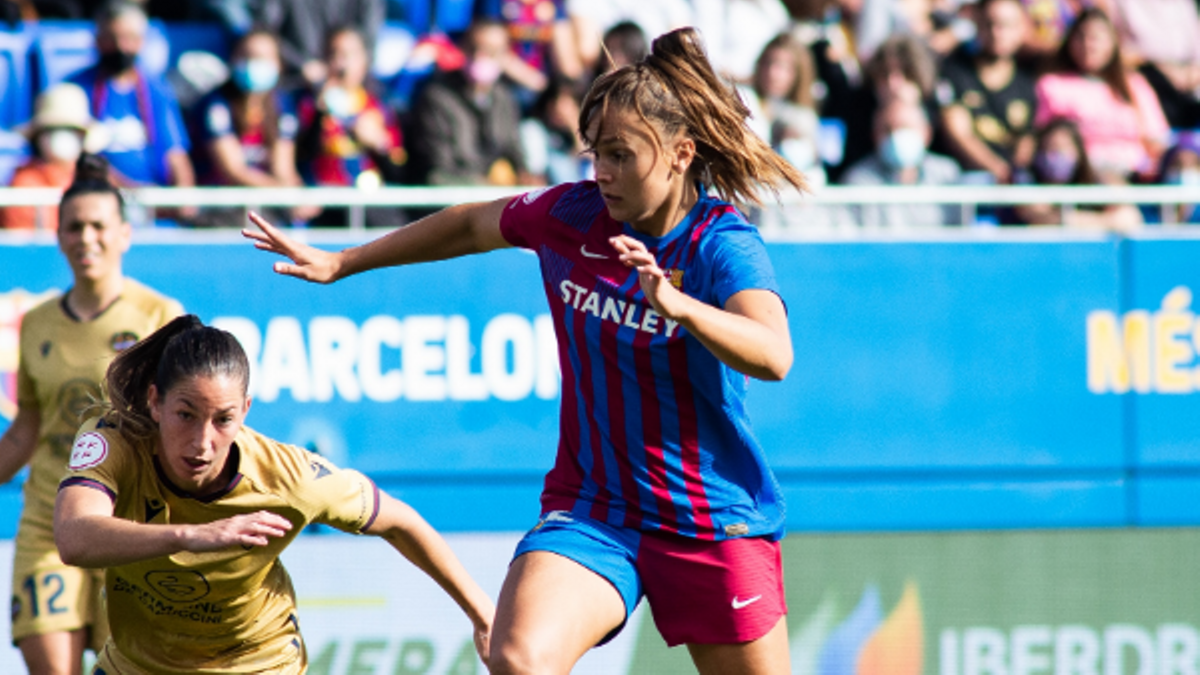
pixel 676 87
pixel 183 348
pixel 91 177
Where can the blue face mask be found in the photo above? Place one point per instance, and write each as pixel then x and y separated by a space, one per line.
pixel 255 75
pixel 903 149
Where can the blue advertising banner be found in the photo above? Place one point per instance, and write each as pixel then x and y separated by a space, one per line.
pixel 949 384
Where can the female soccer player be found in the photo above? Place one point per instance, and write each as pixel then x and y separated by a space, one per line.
pixel 66 343
pixel 663 299
pixel 189 511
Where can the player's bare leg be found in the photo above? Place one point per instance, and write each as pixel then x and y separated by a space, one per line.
pixel 58 653
pixel 551 611
pixel 768 655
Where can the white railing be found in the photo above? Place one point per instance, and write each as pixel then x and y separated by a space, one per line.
pixel 356 200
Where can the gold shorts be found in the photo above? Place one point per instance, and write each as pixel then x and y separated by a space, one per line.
pixel 50 597
pixel 112 662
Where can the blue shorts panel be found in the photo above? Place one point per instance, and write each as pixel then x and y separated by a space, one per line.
pixel 608 551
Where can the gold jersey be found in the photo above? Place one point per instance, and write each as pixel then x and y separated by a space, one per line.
pixel 225 611
pixel 62 364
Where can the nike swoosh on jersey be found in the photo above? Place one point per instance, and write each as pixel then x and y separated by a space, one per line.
pixel 738 604
pixel 587 254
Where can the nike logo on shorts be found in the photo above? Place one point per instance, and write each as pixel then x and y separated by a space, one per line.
pixel 738 604
pixel 586 254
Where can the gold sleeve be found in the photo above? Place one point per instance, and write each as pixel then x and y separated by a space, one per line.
pixel 97 458
pixel 344 498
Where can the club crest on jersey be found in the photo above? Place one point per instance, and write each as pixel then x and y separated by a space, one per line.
pixel 675 276
pixel 123 340
pixel 90 449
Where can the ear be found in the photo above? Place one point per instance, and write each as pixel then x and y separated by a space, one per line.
pixel 126 236
pixel 246 407
pixel 152 403
pixel 683 153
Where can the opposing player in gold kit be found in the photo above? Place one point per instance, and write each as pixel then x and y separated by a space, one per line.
pixel 188 511
pixel 65 346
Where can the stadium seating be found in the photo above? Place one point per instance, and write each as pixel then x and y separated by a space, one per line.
pixel 62 48
pixel 16 92
pixel 14 150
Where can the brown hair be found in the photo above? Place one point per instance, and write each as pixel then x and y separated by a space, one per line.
pixel 91 177
pixel 800 92
pixel 675 86
pixel 1113 73
pixel 908 54
pixel 183 348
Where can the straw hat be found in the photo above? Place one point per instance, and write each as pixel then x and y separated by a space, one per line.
pixel 66 105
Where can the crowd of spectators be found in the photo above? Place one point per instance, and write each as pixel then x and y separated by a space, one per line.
pixel 856 92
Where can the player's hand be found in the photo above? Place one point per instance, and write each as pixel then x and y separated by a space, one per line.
pixel 662 296
pixel 248 529
pixel 308 262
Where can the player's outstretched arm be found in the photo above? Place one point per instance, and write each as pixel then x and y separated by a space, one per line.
pixel 749 335
pixel 449 233
pixel 19 441
pixel 417 541
pixel 89 535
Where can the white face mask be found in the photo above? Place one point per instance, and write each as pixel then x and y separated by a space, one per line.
pixel 903 148
pixel 62 145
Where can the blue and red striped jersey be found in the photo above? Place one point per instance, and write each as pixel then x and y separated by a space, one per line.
pixel 654 433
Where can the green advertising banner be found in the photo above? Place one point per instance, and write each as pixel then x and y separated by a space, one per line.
pixel 1097 602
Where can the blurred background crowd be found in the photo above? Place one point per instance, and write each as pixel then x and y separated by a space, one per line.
pixel 486 92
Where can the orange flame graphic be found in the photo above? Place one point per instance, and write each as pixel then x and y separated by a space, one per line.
pixel 898 646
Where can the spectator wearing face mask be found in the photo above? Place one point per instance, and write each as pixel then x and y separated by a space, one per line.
pixel 246 130
pixel 148 144
pixel 1061 158
pixel 902 137
pixel 780 99
pixel 347 136
pixel 466 121
pixel 1116 110
pixel 57 132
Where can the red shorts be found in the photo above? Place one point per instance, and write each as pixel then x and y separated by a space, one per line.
pixel 700 592
pixel 712 592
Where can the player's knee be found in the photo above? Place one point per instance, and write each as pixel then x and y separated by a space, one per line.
pixel 517 658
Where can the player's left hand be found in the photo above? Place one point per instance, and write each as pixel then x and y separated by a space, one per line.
pixel 662 296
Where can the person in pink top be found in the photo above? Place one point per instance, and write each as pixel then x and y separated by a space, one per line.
pixel 1119 115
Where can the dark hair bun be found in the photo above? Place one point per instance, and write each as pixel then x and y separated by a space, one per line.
pixel 91 167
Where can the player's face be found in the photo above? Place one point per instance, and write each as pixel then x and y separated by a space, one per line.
pixel 93 236
pixel 637 179
pixel 198 419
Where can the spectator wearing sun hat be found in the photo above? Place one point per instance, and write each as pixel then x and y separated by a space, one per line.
pixel 60 130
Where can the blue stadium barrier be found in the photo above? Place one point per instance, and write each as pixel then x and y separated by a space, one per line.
pixel 1046 382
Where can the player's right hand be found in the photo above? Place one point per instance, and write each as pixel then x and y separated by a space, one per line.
pixel 308 262
pixel 248 529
